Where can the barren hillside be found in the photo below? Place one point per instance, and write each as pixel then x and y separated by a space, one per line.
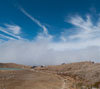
pixel 13 65
pixel 87 73
pixel 81 75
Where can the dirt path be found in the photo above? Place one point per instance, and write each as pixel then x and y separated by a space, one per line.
pixel 64 81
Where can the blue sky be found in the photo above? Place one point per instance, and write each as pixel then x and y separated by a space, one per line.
pixel 49 31
pixel 51 13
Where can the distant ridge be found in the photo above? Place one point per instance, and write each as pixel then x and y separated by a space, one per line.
pixel 13 65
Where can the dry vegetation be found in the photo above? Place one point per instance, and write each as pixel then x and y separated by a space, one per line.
pixel 82 75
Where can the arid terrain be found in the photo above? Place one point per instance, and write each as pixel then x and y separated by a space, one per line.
pixel 80 75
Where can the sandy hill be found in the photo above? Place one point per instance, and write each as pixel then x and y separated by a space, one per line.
pixel 86 73
pixel 13 65
pixel 80 75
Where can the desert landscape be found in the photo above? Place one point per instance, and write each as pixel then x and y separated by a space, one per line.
pixel 49 44
pixel 80 75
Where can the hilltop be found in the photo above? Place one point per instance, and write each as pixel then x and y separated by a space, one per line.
pixel 13 65
pixel 86 73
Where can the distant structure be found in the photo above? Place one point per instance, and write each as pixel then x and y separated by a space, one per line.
pixel 33 66
pixel 63 63
pixel 92 62
pixel 42 66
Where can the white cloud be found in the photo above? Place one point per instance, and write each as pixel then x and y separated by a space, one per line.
pixel 83 45
pixel 13 28
pixel 86 29
pixel 11 31
pixel 36 21
pixel 40 53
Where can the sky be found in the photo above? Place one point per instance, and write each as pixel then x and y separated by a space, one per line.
pixel 49 32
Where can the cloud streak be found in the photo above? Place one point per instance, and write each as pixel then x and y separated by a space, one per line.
pixel 13 28
pixel 7 37
pixel 11 31
pixel 36 21
pixel 86 29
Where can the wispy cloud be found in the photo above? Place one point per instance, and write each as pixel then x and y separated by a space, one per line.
pixel 85 33
pixel 36 21
pixel 13 28
pixel 86 29
pixel 11 31
pixel 6 37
